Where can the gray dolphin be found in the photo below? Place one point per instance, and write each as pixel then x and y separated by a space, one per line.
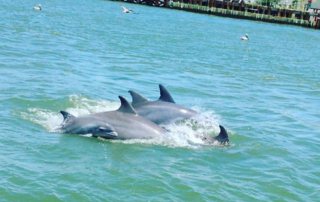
pixel 123 123
pixel 162 111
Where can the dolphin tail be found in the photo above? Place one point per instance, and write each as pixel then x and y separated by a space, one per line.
pixel 223 137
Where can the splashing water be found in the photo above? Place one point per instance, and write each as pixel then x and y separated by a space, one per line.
pixel 43 117
pixel 190 133
pixel 84 106
pixel 51 120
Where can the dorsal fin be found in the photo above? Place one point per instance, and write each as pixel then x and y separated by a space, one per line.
pixel 223 137
pixel 67 116
pixel 165 95
pixel 126 107
pixel 137 98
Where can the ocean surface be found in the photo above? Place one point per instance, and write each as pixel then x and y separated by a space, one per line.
pixel 81 55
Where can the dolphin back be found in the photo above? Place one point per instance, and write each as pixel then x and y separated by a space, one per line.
pixel 125 106
pixel 137 99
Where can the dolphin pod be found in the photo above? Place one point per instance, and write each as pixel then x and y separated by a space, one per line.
pixel 138 120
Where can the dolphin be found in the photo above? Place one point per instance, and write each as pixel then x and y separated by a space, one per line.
pixel 123 123
pixel 162 111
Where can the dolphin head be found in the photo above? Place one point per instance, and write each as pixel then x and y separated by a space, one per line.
pixel 87 125
pixel 103 130
pixel 94 127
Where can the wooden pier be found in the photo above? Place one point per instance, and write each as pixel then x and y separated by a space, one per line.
pixel 239 9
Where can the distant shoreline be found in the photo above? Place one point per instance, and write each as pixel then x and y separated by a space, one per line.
pixel 239 11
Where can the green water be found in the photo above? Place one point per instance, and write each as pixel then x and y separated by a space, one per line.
pixel 80 55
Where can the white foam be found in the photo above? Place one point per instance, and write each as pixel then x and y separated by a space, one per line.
pixel 83 106
pixel 51 120
pixel 190 133
pixel 46 118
